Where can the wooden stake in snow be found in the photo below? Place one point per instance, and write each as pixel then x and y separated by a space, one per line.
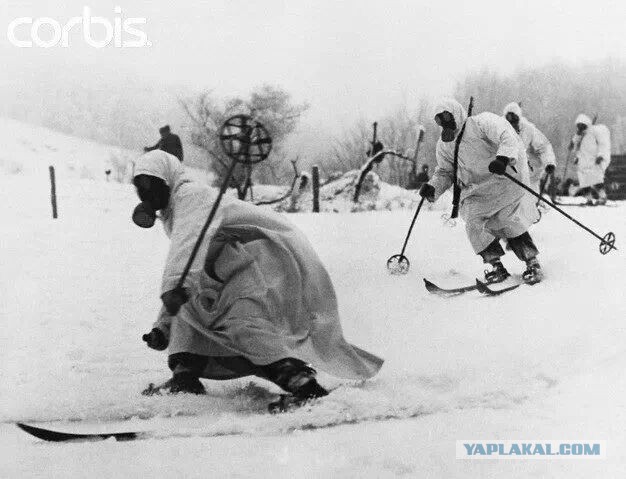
pixel 53 192
pixel 316 189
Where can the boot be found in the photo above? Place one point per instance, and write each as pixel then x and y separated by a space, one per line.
pixel 287 402
pixel 297 378
pixel 497 274
pixel 179 383
pixel 533 273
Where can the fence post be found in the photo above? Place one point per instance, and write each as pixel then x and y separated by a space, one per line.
pixel 53 192
pixel 316 189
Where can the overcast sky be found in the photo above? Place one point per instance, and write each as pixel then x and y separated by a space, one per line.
pixel 348 59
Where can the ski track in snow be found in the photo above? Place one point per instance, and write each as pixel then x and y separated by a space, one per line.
pixel 79 291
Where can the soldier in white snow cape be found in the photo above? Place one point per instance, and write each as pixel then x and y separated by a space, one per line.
pixel 592 146
pixel 538 148
pixel 257 300
pixel 492 206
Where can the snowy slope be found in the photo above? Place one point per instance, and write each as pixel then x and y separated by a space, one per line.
pixel 543 362
pixel 29 149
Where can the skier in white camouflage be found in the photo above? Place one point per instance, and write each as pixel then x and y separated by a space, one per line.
pixel 592 147
pixel 257 299
pixel 538 148
pixel 492 206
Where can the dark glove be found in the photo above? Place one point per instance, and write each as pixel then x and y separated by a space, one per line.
pixel 550 169
pixel 498 166
pixel 174 299
pixel 155 339
pixel 427 191
pixel 599 160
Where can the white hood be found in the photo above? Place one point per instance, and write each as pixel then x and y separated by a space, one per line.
pixel 513 107
pixel 454 107
pixel 162 165
pixel 584 119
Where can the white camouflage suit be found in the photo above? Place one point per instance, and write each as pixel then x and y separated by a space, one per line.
pixel 594 142
pixel 491 205
pixel 538 148
pixel 257 288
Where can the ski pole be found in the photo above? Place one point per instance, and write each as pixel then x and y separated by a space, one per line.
pixel 208 222
pixel 238 136
pixel 398 263
pixel 607 243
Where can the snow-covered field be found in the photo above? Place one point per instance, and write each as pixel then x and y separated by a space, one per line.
pixel 543 362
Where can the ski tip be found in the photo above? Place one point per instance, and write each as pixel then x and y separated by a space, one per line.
pixel 27 428
pixel 40 433
pixel 431 287
pixel 23 427
pixel 58 436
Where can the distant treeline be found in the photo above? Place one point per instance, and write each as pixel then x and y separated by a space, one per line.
pixel 126 112
pixel 553 95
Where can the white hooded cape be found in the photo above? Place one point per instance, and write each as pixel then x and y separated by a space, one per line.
pixel 257 287
pixel 594 142
pixel 538 148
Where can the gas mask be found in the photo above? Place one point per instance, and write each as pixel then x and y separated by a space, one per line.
pixel 513 119
pixel 154 195
pixel 445 120
pixel 581 128
pixel 144 215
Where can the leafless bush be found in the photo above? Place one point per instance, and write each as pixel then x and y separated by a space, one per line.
pixel 397 131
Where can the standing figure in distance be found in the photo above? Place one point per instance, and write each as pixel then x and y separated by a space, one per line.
pixel 592 147
pixel 169 142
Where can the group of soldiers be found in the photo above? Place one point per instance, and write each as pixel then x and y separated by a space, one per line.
pixel 485 155
pixel 590 147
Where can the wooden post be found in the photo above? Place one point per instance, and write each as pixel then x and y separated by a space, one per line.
pixel 316 189
pixel 53 192
pixel 374 136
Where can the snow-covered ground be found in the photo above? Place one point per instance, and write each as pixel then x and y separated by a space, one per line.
pixel 543 362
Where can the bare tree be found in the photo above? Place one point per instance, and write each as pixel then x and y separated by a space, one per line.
pixel 270 105
pixel 398 131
